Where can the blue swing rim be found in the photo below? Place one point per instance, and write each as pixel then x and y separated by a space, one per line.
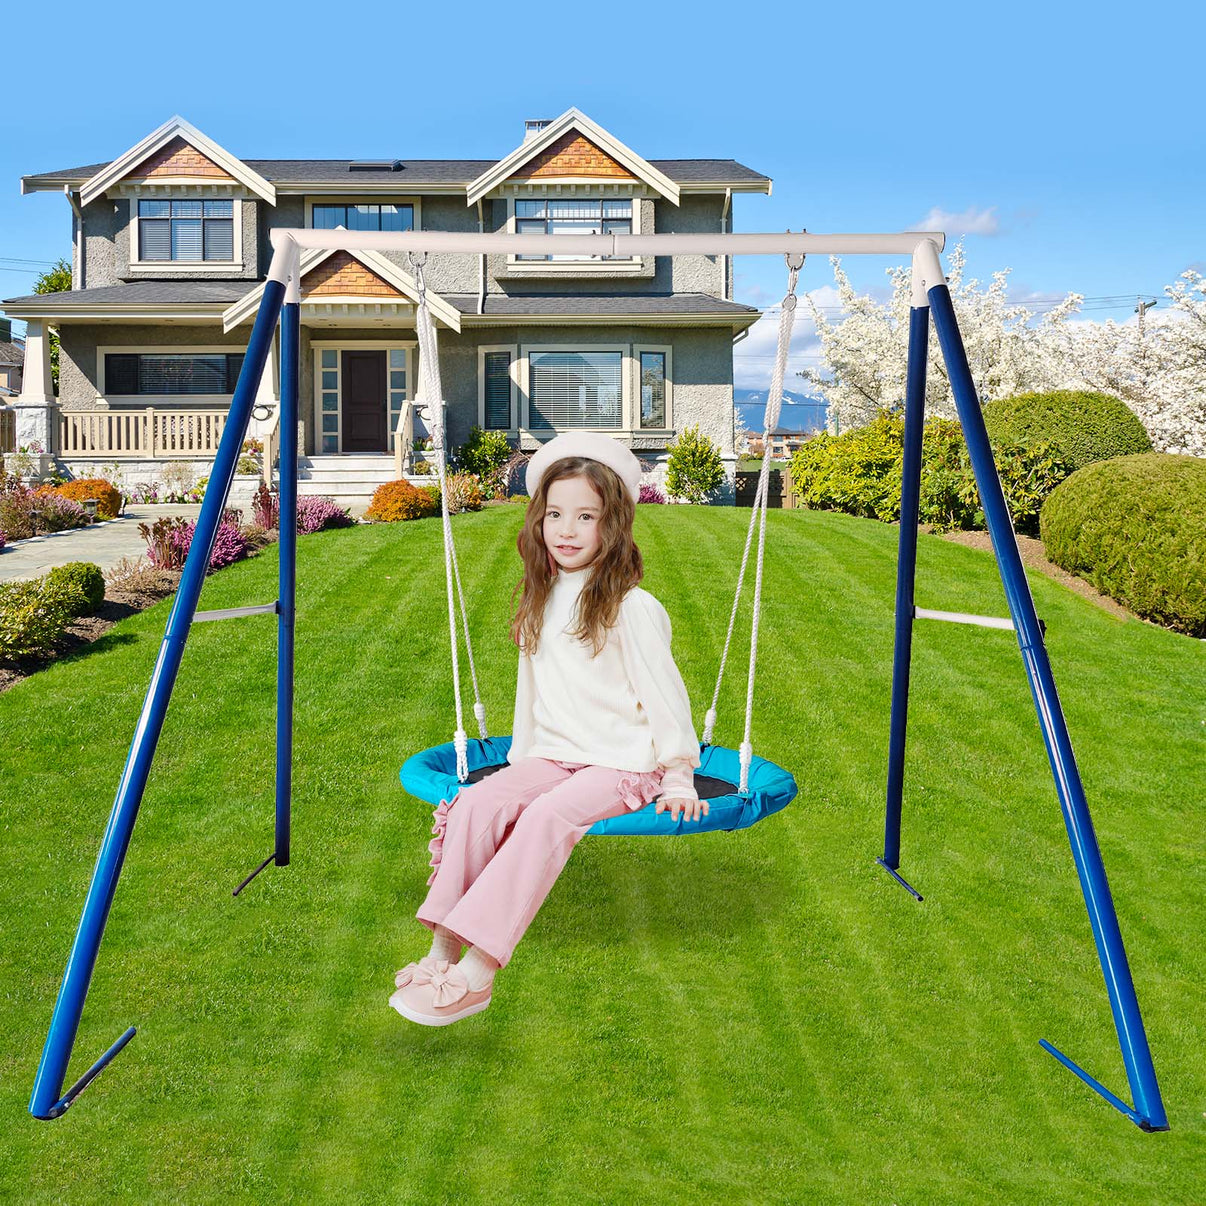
pixel 430 775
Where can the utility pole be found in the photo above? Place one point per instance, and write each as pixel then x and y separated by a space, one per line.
pixel 1141 309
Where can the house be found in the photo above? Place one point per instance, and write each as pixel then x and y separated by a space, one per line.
pixel 12 356
pixel 170 249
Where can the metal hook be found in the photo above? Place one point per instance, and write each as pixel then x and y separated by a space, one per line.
pixel 411 257
pixel 802 257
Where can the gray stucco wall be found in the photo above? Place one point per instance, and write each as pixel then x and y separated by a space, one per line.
pixel 107 229
pixel 79 378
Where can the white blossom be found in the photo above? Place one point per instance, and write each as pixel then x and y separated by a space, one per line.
pixel 1158 367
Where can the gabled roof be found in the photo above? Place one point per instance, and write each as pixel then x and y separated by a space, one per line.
pixel 173 128
pixel 375 262
pixel 572 119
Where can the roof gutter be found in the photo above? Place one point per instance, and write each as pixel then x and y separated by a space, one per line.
pixel 481 261
pixel 78 271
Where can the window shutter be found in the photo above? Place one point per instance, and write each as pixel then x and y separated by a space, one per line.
pixel 219 238
pixel 182 374
pixel 186 239
pixel 154 239
pixel 498 390
pixel 575 389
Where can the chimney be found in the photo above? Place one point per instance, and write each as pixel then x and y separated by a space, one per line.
pixel 532 128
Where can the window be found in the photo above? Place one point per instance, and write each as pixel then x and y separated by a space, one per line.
pixel 573 217
pixel 653 389
pixel 496 372
pixel 188 231
pixel 363 217
pixel 575 389
pixel 171 373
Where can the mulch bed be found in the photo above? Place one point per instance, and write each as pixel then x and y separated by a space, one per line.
pixel 118 605
pixel 1034 556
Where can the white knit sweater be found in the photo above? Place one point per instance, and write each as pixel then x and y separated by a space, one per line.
pixel 627 708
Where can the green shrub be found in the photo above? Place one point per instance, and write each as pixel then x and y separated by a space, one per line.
pixel 1082 427
pixel 33 616
pixel 1135 527
pixel 694 468
pixel 432 489
pixel 485 454
pixel 860 473
pixel 85 575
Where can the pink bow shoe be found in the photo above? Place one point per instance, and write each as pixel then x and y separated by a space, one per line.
pixel 419 971
pixel 440 995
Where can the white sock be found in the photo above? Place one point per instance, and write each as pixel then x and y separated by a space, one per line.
pixel 479 968
pixel 445 945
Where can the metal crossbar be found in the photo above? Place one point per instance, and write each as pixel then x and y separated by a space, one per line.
pixel 231 613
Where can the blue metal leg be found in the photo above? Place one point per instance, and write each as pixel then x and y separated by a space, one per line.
pixel 56 1053
pixel 906 572
pixel 290 369
pixel 1149 1109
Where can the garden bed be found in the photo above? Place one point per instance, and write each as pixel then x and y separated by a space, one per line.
pixel 119 603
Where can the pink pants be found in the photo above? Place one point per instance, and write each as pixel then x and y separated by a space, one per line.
pixel 501 843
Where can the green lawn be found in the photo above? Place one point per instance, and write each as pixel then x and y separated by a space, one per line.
pixel 761 1016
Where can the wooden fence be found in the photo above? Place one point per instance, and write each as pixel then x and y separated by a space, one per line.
pixel 778 488
pixel 150 433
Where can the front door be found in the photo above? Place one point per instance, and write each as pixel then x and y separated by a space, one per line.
pixel 363 401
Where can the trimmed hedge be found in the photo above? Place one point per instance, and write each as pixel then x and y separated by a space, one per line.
pixel 33 616
pixel 1081 426
pixel 1135 527
pixel 860 473
pixel 87 577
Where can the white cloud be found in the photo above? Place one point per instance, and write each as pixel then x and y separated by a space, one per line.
pixel 970 221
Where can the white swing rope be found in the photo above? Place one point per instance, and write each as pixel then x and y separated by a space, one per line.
pixel 431 395
pixel 774 401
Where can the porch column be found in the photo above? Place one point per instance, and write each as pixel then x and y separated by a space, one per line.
pixel 36 407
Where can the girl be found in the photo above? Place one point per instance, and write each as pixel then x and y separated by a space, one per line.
pixel 602 725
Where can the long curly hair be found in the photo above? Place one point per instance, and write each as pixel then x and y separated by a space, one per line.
pixel 615 570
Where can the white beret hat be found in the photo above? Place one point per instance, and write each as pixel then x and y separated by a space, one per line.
pixel 592 444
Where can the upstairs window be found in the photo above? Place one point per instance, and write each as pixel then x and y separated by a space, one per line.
pixel 364 217
pixel 573 217
pixel 186 231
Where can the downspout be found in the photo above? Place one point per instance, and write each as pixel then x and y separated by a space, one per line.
pixel 77 243
pixel 481 261
pixel 724 259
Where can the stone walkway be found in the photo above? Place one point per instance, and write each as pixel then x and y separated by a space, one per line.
pixel 104 544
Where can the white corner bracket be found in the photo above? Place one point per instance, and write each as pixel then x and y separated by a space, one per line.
pixel 286 263
pixel 927 272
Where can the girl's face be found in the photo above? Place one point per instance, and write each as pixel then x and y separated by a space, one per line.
pixel 571 522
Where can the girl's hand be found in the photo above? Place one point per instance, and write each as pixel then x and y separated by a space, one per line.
pixel 692 809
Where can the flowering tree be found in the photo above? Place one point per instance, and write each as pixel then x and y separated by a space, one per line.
pixel 1157 368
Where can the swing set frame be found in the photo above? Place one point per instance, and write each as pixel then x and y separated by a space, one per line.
pixel 281 302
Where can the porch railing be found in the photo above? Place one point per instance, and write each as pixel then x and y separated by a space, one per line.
pixel 150 433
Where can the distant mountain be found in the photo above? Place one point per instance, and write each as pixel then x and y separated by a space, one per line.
pixel 799 412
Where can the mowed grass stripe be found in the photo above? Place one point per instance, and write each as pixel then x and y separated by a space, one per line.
pixel 844 1043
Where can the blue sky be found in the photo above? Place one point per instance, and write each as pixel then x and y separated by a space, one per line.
pixel 1071 149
